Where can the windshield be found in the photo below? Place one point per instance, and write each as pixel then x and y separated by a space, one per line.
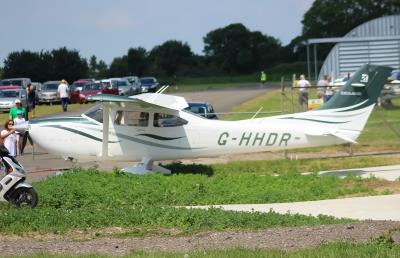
pixel 110 85
pixel 50 87
pixel 122 83
pixel 96 86
pixel 95 113
pixel 79 84
pixel 8 93
pixel 147 80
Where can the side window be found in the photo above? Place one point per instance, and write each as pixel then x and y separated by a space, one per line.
pixel 96 113
pixel 132 118
pixel 167 120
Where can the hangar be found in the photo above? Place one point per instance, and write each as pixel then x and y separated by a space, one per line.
pixel 376 42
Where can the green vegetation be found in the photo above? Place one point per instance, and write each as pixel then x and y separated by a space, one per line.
pixel 141 205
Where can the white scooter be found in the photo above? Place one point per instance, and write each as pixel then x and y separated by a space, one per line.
pixel 13 187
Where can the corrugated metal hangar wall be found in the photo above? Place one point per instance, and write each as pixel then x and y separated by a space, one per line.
pixel 375 42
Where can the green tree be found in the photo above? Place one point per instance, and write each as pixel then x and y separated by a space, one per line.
pixel 138 62
pixel 21 64
pixel 97 69
pixel 327 18
pixel 235 49
pixel 172 57
pixel 68 64
pixel 102 70
pixel 119 67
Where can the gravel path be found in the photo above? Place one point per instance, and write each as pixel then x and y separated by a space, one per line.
pixel 289 238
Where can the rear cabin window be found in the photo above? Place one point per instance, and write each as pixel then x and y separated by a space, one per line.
pixel 167 120
pixel 132 118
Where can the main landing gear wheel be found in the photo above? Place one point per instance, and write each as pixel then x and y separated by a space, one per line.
pixel 25 197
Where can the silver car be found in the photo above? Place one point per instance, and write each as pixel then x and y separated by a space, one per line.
pixel 125 88
pixel 8 95
pixel 48 93
pixel 135 82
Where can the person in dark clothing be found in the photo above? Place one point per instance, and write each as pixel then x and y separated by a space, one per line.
pixel 31 98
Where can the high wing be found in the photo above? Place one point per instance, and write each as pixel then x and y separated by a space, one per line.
pixel 173 103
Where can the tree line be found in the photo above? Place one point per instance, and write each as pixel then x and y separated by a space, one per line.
pixel 230 50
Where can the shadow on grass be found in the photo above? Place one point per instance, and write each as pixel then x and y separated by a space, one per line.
pixel 179 168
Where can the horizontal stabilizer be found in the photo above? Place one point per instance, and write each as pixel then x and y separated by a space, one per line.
pixel 337 134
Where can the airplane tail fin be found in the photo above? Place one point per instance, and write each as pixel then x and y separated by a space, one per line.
pixel 361 90
pixel 346 113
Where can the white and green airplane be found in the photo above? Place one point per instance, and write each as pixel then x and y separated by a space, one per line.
pixel 155 126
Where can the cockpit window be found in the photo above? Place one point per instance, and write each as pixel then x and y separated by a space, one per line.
pixel 132 118
pixel 95 113
pixel 167 120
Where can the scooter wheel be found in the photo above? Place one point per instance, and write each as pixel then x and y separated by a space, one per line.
pixel 24 197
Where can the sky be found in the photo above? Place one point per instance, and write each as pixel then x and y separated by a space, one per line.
pixel 108 28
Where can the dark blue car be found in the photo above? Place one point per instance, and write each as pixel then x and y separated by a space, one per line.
pixel 203 109
pixel 148 84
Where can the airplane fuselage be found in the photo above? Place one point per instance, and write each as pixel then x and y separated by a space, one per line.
pixel 83 137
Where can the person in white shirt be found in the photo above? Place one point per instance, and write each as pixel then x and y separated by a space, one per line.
pixel 322 86
pixel 9 137
pixel 304 87
pixel 63 93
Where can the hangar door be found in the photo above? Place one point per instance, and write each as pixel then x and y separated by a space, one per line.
pixel 352 55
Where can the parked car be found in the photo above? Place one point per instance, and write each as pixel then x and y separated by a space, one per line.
pixel 125 88
pixel 78 85
pixel 203 109
pixel 16 82
pixel 8 95
pixel 110 86
pixel 135 82
pixel 148 84
pixel 89 90
pixel 48 93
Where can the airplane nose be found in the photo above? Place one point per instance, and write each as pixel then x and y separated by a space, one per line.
pixel 22 127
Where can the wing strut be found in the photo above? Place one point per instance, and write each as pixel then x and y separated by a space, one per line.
pixel 106 128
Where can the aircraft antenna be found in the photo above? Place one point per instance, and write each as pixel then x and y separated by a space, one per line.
pixel 258 111
pixel 160 91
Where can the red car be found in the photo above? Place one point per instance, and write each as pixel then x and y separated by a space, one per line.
pixel 90 89
pixel 75 89
pixel 110 86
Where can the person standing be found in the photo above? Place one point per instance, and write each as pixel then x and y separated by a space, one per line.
pixel 322 86
pixel 31 98
pixel 263 78
pixel 63 93
pixel 304 86
pixel 13 115
pixel 9 137
pixel 18 107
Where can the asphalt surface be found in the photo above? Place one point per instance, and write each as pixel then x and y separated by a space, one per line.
pixel 382 207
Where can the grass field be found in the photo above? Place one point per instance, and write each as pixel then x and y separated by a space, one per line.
pixel 142 205
pixel 42 110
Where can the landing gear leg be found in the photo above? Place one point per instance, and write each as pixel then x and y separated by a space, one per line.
pixel 146 166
